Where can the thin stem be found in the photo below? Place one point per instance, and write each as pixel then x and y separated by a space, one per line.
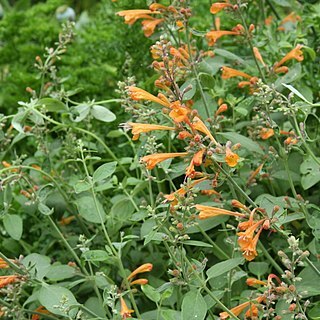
pixel 12 265
pixel 195 72
pixel 269 257
pixel 108 150
pixel 311 264
pixel 249 41
pixel 67 245
pixel 214 245
pixel 205 288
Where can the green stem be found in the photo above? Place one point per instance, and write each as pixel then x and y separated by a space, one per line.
pixel 195 73
pixel 12 265
pixel 89 133
pixel 315 269
pixel 67 245
pixel 214 245
pixel 249 41
pixel 269 257
pixel 205 288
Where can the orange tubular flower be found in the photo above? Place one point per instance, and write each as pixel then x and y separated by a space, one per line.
pixel 40 309
pixel 266 133
pixel 147 267
pixel 139 281
pixel 210 212
pixel 153 159
pixel 238 309
pixel 228 73
pixel 253 281
pixel 182 191
pixel 214 35
pixel 198 125
pixel 218 6
pixel 196 161
pixel 254 173
pixel 248 243
pixel 138 128
pixel 125 312
pixel 157 6
pixel 231 158
pixel 295 53
pixel 222 108
pixel 3 264
pixel 67 220
pixel 258 55
pixel 131 16
pixel 149 25
pixel 140 94
pixel 179 113
pixel 5 280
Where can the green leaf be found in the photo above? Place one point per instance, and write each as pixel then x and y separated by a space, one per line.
pixel 44 209
pixel 314 313
pixel 309 285
pixel 52 105
pixel 81 186
pixel 197 243
pixel 207 224
pixel 293 74
pixel 258 268
pixel 245 142
pixel 310 170
pixel 151 293
pixel 51 296
pixel 223 267
pixel 296 92
pixel 82 110
pixel 170 314
pixel 192 87
pixel 60 272
pixel 37 265
pixel 94 305
pixel 228 55
pixel 95 255
pixel 13 225
pixel 103 114
pixel 90 209
pixel 104 171
pixel 193 306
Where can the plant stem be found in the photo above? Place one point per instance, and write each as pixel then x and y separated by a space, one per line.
pixel 311 264
pixel 195 73
pixel 67 245
pixel 249 41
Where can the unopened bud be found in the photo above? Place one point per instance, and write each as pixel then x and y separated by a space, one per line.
pixel 251 27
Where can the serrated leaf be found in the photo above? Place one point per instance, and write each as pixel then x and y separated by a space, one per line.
pixel 37 265
pixel 81 186
pixel 223 267
pixel 95 255
pixel 60 272
pixel 104 171
pixel 102 113
pixel 51 296
pixel 90 209
pixel 151 293
pixel 310 170
pixel 193 306
pixel 258 268
pixel 13 225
